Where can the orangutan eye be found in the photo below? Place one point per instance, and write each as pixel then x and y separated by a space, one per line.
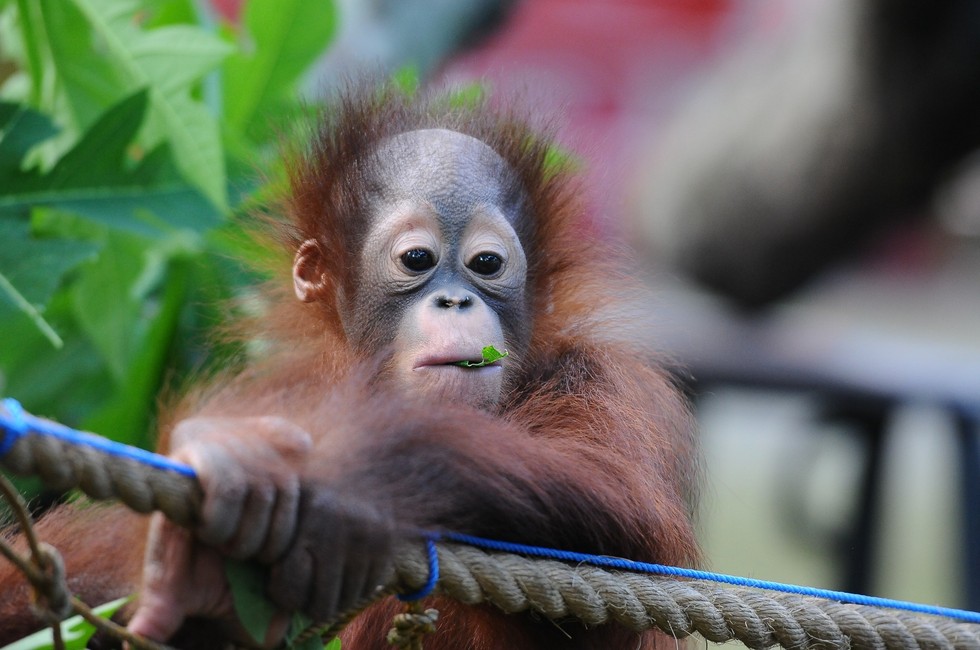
pixel 485 263
pixel 418 260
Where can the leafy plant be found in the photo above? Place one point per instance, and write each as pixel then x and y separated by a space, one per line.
pixel 129 132
pixel 247 583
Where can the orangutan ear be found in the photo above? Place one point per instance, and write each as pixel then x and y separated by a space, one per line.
pixel 309 279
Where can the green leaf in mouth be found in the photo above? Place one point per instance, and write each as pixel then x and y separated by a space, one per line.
pixel 491 355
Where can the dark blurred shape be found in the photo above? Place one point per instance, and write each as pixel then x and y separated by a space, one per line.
pixel 387 35
pixel 802 149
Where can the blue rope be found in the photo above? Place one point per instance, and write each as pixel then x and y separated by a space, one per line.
pixel 430 585
pixel 694 574
pixel 15 423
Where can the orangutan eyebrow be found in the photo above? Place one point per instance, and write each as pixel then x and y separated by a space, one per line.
pixel 490 355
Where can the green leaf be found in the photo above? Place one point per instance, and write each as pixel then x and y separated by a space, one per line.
pixel 86 77
pixel 31 52
pixel 312 643
pixel 8 289
pixel 21 129
pixel 298 624
pixel 170 12
pixel 67 383
pixel 94 179
pixel 490 356
pixel 101 153
pixel 107 307
pixel 281 39
pixel 142 354
pixel 247 582
pixel 36 266
pixel 31 270
pixel 75 631
pixel 167 60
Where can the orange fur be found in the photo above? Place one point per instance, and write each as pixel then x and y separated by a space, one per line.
pixel 102 547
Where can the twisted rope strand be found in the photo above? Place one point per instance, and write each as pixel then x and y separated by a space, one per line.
pixel 592 594
pixel 608 562
pixel 677 607
pixel 64 458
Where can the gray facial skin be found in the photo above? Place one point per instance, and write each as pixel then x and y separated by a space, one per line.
pixel 441 273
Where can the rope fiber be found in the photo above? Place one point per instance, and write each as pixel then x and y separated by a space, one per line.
pixel 595 595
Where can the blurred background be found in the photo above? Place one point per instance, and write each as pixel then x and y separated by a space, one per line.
pixel 800 180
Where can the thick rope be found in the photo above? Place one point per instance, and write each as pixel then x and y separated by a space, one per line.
pixel 409 628
pixel 98 470
pixel 678 607
pixel 515 584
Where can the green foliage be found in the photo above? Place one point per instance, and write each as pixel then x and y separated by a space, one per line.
pixel 279 41
pixel 297 626
pixel 247 582
pixel 97 179
pixel 129 132
pixel 75 631
pixel 81 56
pixel 21 255
pixel 129 135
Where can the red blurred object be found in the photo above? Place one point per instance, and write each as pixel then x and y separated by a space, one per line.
pixel 606 69
pixel 228 9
